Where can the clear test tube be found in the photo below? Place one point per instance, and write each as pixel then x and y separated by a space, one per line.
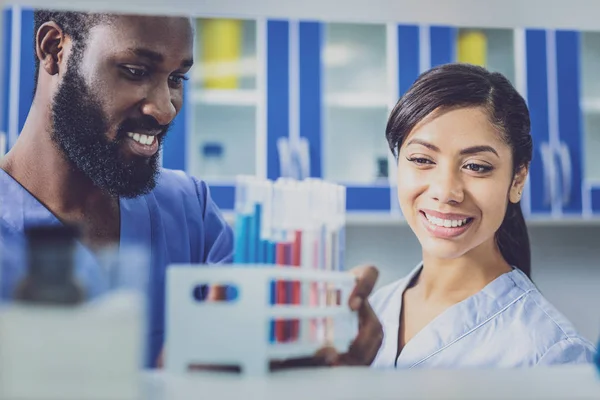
pixel 330 253
pixel 311 247
pixel 341 226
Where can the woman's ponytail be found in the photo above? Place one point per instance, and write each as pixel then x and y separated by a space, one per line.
pixel 513 240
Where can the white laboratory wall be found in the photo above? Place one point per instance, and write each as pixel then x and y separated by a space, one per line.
pixel 565 265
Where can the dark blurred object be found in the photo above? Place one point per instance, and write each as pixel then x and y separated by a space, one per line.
pixel 382 167
pixel 597 359
pixel 50 269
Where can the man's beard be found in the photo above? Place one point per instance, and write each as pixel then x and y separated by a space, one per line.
pixel 80 128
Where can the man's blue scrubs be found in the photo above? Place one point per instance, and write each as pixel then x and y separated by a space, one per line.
pixel 177 222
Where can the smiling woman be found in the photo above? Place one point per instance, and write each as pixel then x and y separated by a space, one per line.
pixel 461 136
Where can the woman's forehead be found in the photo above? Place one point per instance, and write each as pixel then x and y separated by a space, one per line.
pixel 457 128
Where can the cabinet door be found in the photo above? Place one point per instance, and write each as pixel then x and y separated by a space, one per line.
pixel 237 105
pixel 220 132
pixel 569 146
pixel 553 96
pixel 442 45
pixel 18 70
pixel 590 108
pixel 344 103
pixel 542 171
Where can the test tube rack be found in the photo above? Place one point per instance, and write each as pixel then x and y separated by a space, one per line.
pixel 236 332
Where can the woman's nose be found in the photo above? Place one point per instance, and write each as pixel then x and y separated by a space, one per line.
pixel 447 187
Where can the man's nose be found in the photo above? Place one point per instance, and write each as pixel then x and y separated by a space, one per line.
pixel 159 105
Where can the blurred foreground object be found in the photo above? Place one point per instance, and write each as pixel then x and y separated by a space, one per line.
pixel 58 341
pixel 231 331
pixel 49 278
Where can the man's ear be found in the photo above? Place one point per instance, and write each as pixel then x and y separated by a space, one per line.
pixel 50 45
pixel 516 189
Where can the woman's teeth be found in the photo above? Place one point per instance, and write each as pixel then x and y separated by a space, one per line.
pixel 446 223
pixel 142 139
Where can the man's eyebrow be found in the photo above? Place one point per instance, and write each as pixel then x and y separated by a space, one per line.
pixel 147 53
pixel 156 57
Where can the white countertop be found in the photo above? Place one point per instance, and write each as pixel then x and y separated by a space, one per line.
pixel 574 382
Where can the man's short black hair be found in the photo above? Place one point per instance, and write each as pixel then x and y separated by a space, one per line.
pixel 77 25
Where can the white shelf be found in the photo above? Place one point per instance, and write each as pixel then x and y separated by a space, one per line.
pixel 359 219
pixel 226 97
pixel 559 382
pixel 357 100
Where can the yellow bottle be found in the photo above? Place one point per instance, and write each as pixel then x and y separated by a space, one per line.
pixel 472 47
pixel 221 41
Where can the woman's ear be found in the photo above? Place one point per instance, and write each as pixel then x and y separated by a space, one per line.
pixel 516 189
pixel 50 47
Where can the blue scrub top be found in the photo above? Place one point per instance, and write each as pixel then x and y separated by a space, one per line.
pixel 507 324
pixel 177 222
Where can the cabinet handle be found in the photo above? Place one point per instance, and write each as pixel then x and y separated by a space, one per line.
pixel 567 172
pixel 285 157
pixel 304 157
pixel 3 149
pixel 549 173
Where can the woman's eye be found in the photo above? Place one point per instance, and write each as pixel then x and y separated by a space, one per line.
pixel 420 160
pixel 478 168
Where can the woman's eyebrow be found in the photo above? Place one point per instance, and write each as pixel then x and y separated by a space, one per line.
pixel 479 149
pixel 466 151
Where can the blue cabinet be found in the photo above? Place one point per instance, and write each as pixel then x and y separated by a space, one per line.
pixel 588 47
pixel 244 122
pixel 351 76
pixel 313 98
pixel 18 70
pixel 554 101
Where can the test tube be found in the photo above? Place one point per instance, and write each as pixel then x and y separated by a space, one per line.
pixel 313 251
pixel 341 212
pixel 266 245
pixel 282 245
pixel 300 226
pixel 242 218
pixel 252 196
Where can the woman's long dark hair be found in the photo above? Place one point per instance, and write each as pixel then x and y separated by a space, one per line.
pixel 452 86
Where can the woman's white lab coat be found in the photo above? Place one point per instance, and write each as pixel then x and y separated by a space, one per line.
pixel 507 324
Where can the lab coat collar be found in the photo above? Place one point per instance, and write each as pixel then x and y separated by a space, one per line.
pixel 454 323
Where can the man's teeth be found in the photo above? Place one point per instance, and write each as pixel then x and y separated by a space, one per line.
pixel 447 223
pixel 142 139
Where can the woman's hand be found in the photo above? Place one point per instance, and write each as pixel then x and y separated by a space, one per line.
pixel 365 346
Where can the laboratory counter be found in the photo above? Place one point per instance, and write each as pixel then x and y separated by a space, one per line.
pixel 572 382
